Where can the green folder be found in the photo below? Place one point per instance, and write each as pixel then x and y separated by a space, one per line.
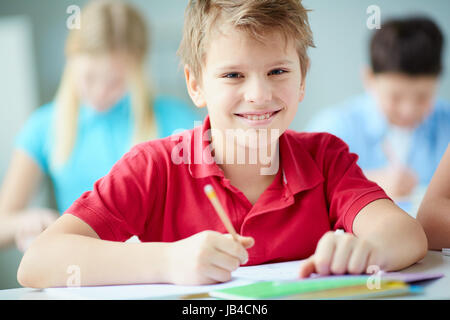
pixel 303 288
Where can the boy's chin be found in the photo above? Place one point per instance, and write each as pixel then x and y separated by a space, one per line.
pixel 405 125
pixel 259 145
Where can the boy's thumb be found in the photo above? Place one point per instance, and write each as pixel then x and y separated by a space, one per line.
pixel 247 242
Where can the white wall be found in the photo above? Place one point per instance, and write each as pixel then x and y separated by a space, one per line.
pixel 18 92
pixel 18 97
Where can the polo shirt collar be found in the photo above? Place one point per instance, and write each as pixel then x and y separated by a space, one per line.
pixel 299 170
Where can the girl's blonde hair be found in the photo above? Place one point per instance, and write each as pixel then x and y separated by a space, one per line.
pixel 106 26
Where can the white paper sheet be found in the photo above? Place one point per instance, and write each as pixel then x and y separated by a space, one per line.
pixel 242 276
pixel 143 291
pixel 269 272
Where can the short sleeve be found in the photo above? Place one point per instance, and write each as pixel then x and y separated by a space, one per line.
pixel 120 203
pixel 348 190
pixel 34 137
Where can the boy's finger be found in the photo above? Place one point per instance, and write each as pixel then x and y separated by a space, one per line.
pixel 342 254
pixel 233 248
pixel 358 261
pixel 324 253
pixel 307 268
pixel 224 261
pixel 217 274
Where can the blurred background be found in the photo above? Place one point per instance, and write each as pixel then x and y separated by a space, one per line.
pixel 33 33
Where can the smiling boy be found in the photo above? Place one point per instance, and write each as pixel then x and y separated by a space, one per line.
pixel 246 62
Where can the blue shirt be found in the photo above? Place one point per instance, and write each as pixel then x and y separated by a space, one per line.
pixel 359 122
pixel 102 139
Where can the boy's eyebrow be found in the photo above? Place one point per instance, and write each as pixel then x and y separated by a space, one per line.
pixel 282 62
pixel 237 66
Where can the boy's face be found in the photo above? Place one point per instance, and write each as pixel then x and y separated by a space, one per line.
pixel 248 84
pixel 405 100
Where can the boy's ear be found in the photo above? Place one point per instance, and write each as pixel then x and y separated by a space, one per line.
pixel 194 88
pixel 302 91
pixel 302 86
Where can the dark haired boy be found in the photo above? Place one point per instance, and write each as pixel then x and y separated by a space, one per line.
pixel 398 128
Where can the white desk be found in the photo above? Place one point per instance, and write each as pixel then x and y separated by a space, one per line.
pixel 434 262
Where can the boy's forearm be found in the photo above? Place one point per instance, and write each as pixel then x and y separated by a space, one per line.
pixel 55 261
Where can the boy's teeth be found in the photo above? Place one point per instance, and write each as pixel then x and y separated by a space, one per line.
pixel 256 117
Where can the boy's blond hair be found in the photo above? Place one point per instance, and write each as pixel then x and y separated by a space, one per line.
pixel 256 17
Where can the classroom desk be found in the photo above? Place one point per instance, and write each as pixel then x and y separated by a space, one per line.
pixel 434 262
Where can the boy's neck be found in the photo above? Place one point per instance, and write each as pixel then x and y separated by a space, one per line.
pixel 252 179
pixel 241 163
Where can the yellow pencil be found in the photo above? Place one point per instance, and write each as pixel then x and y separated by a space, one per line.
pixel 209 190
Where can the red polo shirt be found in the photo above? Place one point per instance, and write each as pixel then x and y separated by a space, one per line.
pixel 152 194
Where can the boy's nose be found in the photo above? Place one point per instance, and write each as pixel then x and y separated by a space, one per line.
pixel 258 91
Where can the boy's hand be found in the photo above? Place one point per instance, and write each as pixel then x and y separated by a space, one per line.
pixel 400 181
pixel 206 257
pixel 396 180
pixel 339 254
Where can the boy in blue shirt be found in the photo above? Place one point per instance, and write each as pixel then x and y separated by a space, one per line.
pixel 398 128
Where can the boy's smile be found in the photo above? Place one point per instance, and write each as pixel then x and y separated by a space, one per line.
pixel 258 118
pixel 248 83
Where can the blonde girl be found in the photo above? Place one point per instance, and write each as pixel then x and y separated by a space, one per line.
pixel 103 106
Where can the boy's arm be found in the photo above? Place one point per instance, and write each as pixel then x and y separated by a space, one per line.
pixel 88 237
pixel 71 242
pixel 434 212
pixel 384 236
pixel 379 234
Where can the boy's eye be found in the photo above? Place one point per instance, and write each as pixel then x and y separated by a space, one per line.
pixel 232 75
pixel 277 72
